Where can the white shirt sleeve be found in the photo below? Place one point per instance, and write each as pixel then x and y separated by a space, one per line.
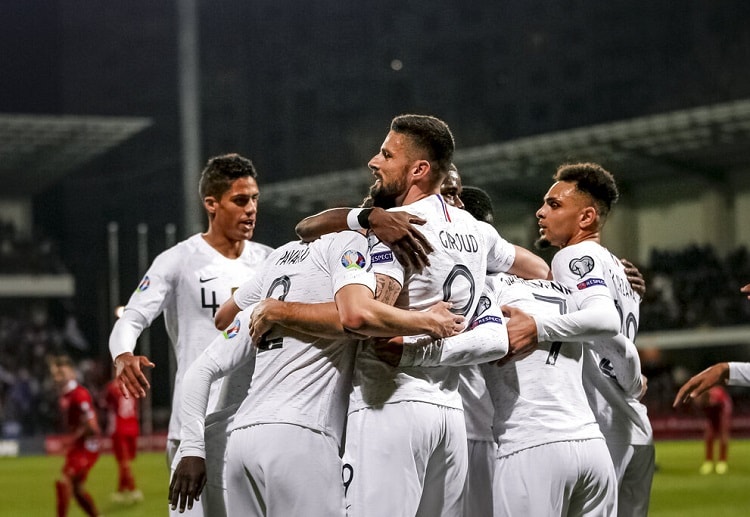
pixel 231 349
pixel 596 318
pixel 153 293
pixel 597 315
pixel 739 374
pixel 484 341
pixel 249 292
pixel 626 364
pixel 125 333
pixel 500 253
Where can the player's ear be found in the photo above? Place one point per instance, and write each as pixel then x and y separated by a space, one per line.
pixel 420 169
pixel 588 217
pixel 209 202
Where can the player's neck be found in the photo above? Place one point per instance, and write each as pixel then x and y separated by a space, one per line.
pixel 584 236
pixel 415 193
pixel 229 248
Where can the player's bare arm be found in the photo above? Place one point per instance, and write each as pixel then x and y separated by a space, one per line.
pixel 635 277
pixel 362 314
pixel 356 311
pixel 187 483
pixel 317 319
pixel 522 332
pixel 226 313
pixel 702 382
pixel 529 266
pixel 129 374
pixel 395 229
pixel 746 289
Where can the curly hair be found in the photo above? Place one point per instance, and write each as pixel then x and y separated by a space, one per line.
pixel 592 179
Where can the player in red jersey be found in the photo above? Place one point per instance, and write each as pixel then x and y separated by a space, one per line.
pixel 717 406
pixel 82 437
pixel 123 424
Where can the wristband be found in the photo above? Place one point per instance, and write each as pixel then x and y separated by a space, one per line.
pixel 364 218
pixel 352 219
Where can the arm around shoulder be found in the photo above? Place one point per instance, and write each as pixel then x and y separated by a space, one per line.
pixel 327 221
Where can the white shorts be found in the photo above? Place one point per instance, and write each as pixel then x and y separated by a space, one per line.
pixel 560 478
pixel 478 487
pixel 634 466
pixel 405 459
pixel 282 470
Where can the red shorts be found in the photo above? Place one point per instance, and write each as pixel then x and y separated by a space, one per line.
pixel 124 446
pixel 78 462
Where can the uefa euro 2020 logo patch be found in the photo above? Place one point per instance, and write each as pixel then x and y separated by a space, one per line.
pixel 145 283
pixel 232 331
pixel 353 259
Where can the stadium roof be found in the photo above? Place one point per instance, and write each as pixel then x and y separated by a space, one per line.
pixel 38 150
pixel 707 142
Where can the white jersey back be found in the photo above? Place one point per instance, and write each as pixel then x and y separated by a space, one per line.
pixel 540 398
pixel 456 273
pixel 300 379
pixel 588 268
pixel 188 282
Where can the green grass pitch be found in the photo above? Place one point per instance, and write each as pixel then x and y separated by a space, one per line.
pixel 678 490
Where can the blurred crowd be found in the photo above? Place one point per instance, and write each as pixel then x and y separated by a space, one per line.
pixel 36 253
pixel 694 287
pixel 689 288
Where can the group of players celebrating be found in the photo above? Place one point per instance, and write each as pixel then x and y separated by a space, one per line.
pixel 401 358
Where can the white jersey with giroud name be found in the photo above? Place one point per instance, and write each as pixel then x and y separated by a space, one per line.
pixel 300 379
pixel 588 268
pixel 456 273
pixel 538 399
pixel 188 282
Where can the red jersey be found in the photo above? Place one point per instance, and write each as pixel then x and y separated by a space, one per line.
pixel 77 407
pixel 719 402
pixel 123 412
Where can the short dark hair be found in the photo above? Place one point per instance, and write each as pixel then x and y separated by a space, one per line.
pixel 221 171
pixel 59 361
pixel 478 203
pixel 431 135
pixel 592 179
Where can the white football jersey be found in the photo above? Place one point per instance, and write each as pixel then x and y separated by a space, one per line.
pixel 188 282
pixel 540 398
pixel 456 273
pixel 300 379
pixel 589 268
pixel 478 409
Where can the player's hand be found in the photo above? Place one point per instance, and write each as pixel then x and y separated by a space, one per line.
pixel 522 335
pixel 389 350
pixel 260 320
pixel 130 376
pixel 446 323
pixel 746 289
pixel 644 387
pixel 635 277
pixel 397 231
pixel 702 382
pixel 187 482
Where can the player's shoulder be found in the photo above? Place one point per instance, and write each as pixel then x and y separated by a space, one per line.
pixel 586 250
pixel 258 249
pixel 179 252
